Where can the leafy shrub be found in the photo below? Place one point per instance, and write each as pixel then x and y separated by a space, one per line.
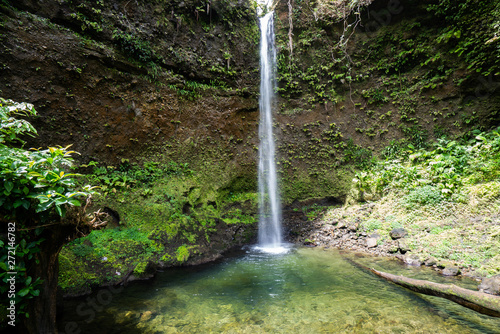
pixel 448 169
pixel 427 195
pixel 372 225
pixel 129 175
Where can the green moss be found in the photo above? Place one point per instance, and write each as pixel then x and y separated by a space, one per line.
pixel 329 183
pixel 73 276
pixel 182 254
pixel 140 269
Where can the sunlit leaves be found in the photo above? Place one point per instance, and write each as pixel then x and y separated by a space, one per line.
pixel 33 179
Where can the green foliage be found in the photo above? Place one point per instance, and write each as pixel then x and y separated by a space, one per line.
pixel 431 176
pixel 130 175
pixel 312 211
pixel 11 127
pixel 372 225
pixel 140 268
pixel 134 46
pixel 474 29
pixel 33 179
pixel 357 155
pixel 182 253
pixel 27 287
pixel 34 189
pixel 111 242
pixel 426 195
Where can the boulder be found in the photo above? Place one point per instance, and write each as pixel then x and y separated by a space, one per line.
pixel 413 260
pixel 490 285
pixel 371 242
pixel 398 233
pixel 430 262
pixel 393 247
pixel 403 246
pixel 353 226
pixel 450 271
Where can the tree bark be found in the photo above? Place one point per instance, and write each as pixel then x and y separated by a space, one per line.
pixel 42 309
pixel 474 300
pixel 45 265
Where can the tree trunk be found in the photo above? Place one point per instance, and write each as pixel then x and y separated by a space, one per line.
pixel 45 265
pixel 42 309
pixel 475 300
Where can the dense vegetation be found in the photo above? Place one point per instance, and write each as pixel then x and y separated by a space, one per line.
pixel 403 97
pixel 447 196
pixel 37 192
pixel 161 216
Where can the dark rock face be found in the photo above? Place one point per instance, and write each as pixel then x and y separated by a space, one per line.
pixel 398 233
pixel 490 285
pixel 132 74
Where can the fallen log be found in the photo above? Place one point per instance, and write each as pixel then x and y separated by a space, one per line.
pixel 474 300
pixel 478 301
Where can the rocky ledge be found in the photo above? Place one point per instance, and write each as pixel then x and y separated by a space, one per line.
pixel 350 234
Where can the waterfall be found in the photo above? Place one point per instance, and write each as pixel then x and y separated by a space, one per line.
pixel 270 235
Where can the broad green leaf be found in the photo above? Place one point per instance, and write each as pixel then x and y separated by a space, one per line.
pixel 4 266
pixel 75 202
pixel 23 292
pixel 59 210
pixel 8 186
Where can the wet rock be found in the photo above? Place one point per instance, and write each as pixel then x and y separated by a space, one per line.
pixel 450 271
pixel 371 242
pixel 490 285
pixel 353 226
pixel 146 316
pixel 412 260
pixel 398 233
pixel 430 262
pixel 403 246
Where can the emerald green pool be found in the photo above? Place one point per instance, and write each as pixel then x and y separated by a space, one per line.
pixel 305 290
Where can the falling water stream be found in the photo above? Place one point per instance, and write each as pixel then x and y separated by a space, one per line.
pixel 270 236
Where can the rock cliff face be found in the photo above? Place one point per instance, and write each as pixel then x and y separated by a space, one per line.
pixel 113 78
pixel 128 79
pixel 173 81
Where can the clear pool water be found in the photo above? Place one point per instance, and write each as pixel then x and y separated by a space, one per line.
pixel 305 290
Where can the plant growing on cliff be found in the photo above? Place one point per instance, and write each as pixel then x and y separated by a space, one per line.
pixel 35 195
pixel 448 171
pixel 474 29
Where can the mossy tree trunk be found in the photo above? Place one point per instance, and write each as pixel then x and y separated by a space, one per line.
pixel 45 265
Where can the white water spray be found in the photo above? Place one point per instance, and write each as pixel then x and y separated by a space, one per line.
pixel 270 234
